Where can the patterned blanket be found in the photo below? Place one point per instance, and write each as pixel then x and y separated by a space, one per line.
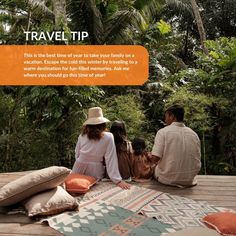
pixel 104 219
pixel 178 211
pixel 172 213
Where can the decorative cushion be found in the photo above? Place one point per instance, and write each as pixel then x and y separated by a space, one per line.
pixel 50 202
pixel 223 222
pixel 77 183
pixel 194 231
pixel 32 183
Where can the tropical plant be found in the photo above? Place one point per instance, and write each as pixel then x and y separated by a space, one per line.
pixel 128 109
pixel 40 125
pixel 20 16
pixel 111 21
pixel 219 18
pixel 214 77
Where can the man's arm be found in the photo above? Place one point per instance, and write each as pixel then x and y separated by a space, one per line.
pixel 158 147
pixel 155 159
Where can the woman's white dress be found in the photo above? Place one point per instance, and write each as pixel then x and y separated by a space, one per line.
pixel 89 157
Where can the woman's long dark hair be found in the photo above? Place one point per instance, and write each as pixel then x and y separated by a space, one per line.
pixel 94 131
pixel 119 131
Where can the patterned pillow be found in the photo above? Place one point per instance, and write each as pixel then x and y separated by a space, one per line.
pixel 32 183
pixel 77 183
pixel 223 222
pixel 50 202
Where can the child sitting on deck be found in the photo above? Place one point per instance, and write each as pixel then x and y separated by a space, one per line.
pixel 142 164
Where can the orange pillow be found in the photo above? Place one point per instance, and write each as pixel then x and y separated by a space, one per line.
pixel 77 183
pixel 223 222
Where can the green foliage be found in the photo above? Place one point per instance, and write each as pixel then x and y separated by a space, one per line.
pixel 220 167
pixel 39 125
pixel 196 107
pixel 163 27
pixel 210 91
pixel 128 109
pixel 219 17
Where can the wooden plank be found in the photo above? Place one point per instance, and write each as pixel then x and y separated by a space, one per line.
pixel 230 205
pixel 221 184
pixel 232 181
pixel 27 229
pixel 8 178
pixel 216 190
pixel 161 187
pixel 15 174
pixel 222 195
pixel 216 177
pixel 203 192
pixel 15 234
pixel 199 190
pixel 12 234
pixel 210 197
pixel 200 183
pixel 16 218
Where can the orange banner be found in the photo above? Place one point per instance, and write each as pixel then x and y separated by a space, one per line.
pixel 73 65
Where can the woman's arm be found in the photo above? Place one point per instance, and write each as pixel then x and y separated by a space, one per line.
pixel 112 164
pixel 77 148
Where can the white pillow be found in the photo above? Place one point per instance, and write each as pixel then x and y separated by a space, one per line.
pixel 50 202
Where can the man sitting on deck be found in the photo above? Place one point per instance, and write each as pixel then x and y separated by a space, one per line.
pixel 178 150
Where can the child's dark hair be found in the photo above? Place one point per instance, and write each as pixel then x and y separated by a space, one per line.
pixel 94 131
pixel 138 146
pixel 119 131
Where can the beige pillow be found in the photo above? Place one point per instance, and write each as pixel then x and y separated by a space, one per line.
pixel 31 184
pixel 50 202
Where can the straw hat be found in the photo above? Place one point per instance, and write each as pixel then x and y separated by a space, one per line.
pixel 95 116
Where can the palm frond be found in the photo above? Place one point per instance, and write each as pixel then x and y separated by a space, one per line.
pixel 119 22
pixel 5 17
pixel 149 8
pixel 180 6
pixel 41 5
pixel 2 30
pixel 85 15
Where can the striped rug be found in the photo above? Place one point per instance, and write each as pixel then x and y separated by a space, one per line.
pixel 133 199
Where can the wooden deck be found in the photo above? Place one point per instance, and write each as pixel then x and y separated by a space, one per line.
pixel 217 190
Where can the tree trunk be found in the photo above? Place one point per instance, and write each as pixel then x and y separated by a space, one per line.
pixel 186 42
pixel 28 20
pixel 59 10
pixel 201 29
pixel 94 21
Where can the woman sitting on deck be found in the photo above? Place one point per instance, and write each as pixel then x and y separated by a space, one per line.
pixel 93 144
pixel 123 149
